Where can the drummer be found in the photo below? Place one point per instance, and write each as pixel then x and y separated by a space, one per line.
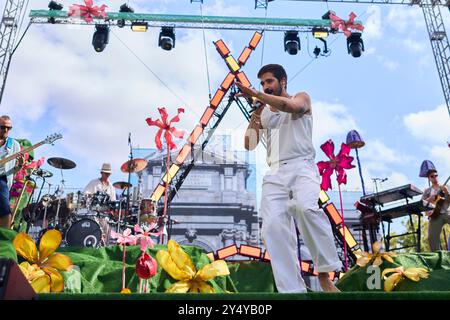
pixel 102 184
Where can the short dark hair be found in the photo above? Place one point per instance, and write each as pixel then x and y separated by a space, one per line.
pixel 429 172
pixel 276 69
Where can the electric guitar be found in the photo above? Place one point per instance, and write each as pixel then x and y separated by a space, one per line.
pixel 437 202
pixel 49 140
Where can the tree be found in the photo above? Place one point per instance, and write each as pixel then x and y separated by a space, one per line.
pixel 408 240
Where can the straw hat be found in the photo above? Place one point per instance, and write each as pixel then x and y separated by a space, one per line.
pixel 106 167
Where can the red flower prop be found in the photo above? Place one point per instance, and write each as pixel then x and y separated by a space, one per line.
pixel 88 12
pixel 146 266
pixel 338 23
pixel 340 163
pixel 165 126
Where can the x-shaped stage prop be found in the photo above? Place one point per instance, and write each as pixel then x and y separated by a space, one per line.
pixel 234 73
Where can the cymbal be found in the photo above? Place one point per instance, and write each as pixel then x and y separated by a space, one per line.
pixel 122 185
pixel 61 163
pixel 133 166
pixel 43 173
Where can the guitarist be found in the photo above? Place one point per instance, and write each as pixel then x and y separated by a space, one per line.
pixel 438 195
pixel 8 146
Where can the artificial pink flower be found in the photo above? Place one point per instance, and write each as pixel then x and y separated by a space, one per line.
pixel 124 238
pixel 338 23
pixel 146 266
pixel 88 12
pixel 338 163
pixel 166 127
pixel 144 236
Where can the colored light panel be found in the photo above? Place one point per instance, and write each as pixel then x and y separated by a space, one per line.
pixel 305 266
pixel 209 112
pixel 243 79
pixel 351 242
pixel 232 64
pixel 320 33
pixel 227 252
pixel 184 153
pixel 255 40
pixel 195 134
pixel 218 96
pixel 222 48
pixel 172 173
pixel 157 194
pixel 244 56
pixel 266 256
pixel 226 84
pixel 332 212
pixel 323 197
pixel 250 251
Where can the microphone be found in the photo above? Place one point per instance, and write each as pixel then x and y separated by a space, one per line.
pixel 256 104
pixel 129 138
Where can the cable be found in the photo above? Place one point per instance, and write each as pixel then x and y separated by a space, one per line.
pixel 206 53
pixel 329 49
pixel 152 72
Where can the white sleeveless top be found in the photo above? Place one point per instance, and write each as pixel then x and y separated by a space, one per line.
pixel 288 136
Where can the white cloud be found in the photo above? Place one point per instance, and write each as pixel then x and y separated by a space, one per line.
pixel 405 19
pixel 331 120
pixel 387 63
pixel 429 125
pixel 441 159
pixel 414 46
pixel 373 28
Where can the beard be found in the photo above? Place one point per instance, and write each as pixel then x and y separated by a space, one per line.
pixel 276 92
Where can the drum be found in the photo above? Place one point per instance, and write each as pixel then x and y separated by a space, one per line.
pixel 99 201
pixel 75 200
pixel 85 213
pixel 118 208
pixel 147 207
pixel 48 207
pixel 84 233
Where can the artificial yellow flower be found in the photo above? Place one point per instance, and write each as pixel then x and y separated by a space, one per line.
pixel 125 291
pixel 399 273
pixel 179 266
pixel 41 267
pixel 364 257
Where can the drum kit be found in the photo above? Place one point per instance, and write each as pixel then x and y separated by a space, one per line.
pixel 87 219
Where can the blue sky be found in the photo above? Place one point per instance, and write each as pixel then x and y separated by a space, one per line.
pixel 392 94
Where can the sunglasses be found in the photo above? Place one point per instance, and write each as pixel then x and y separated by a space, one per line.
pixel 434 176
pixel 5 128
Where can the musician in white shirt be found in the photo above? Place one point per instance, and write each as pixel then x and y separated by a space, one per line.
pixel 102 184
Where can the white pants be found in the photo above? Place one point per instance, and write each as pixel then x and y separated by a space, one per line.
pixel 300 179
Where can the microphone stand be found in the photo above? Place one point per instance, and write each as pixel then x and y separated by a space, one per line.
pixel 129 172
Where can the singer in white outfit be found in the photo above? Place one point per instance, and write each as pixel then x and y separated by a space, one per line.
pixel 291 187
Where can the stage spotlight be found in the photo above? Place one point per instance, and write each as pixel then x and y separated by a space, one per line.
pixel 167 38
pixel 291 42
pixel 126 9
pixel 101 37
pixel 53 5
pixel 355 45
